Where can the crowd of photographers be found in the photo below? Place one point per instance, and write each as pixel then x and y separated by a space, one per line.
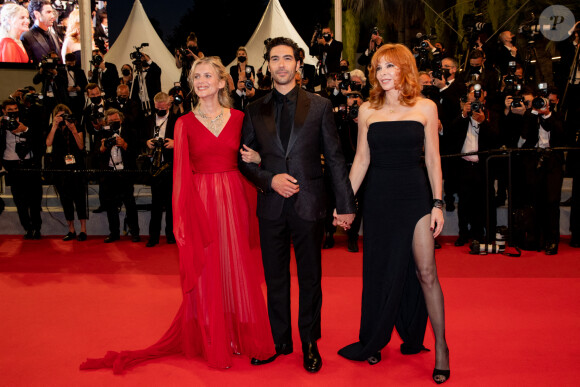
pixel 108 122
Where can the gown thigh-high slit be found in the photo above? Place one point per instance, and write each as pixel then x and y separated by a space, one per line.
pixel 396 198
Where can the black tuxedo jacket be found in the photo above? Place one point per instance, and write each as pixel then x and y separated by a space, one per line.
pixel 333 53
pixel 149 132
pixel 235 75
pixel 553 124
pixel 313 133
pixel 109 80
pixel 152 80
pixel 129 156
pixel 456 133
pixel 309 71
pixel 35 44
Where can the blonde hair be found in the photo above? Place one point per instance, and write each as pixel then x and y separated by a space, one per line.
pixel 8 14
pixel 408 82
pixel 241 48
pixel 161 97
pixel 224 98
pixel 61 107
pixel 73 29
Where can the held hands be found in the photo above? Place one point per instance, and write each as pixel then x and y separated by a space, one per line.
pixel 285 185
pixel 437 221
pixel 342 220
pixel 250 156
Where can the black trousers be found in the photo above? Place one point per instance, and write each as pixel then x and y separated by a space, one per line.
pixel 471 192
pixel 306 236
pixel 72 191
pixel 26 190
pixel 118 188
pixel 161 191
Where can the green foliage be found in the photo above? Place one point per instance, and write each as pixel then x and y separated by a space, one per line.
pixel 350 35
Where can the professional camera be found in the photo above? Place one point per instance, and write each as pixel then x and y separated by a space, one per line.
pixel 111 141
pixel 477 105
pixel 10 121
pixel 47 62
pixel 97 113
pixel 69 118
pixel 353 110
pixel 96 60
pixel 517 101
pixel 375 31
pixel 439 72
pixel 137 57
pixel 318 31
pixel 541 101
pixel 498 247
pixel 474 22
pixel 34 98
pixel 530 29
pixel 177 99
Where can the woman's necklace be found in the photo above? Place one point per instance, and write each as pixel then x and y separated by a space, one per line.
pixel 214 125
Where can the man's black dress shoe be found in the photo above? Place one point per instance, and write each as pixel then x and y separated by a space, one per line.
pixel 152 242
pixel 312 359
pixel 70 236
pixel 36 234
pixel 552 249
pixel 574 242
pixel 461 241
pixel 28 235
pixel 282 349
pixel 352 245
pixel 82 237
pixel 135 238
pixel 328 242
pixel 112 238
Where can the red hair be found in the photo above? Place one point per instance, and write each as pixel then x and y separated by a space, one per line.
pixel 408 82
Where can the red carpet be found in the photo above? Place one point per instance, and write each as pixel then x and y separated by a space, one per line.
pixel 510 321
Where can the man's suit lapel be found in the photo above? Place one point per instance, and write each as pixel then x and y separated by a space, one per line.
pixel 302 108
pixel 41 41
pixel 267 115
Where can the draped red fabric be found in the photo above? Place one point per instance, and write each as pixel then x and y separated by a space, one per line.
pixel 223 310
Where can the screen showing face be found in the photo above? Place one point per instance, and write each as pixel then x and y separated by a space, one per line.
pixel 47 32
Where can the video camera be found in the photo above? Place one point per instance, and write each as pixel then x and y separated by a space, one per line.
pixel 137 57
pixel 474 22
pixel 541 101
pixel 47 62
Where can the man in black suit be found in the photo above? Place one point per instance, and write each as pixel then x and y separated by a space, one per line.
pixel 101 35
pixel 291 128
pixel 328 52
pixel 147 84
pixel 76 83
pixel 160 126
pixel 507 52
pixel 130 109
pixel 40 40
pixel 307 73
pixel 104 74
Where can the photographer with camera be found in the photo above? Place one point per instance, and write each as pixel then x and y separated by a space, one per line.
pixel 104 74
pixel 472 131
pixel 184 58
pixel 328 51
pixel 180 103
pixel 52 75
pixel 346 119
pixel 41 39
pixel 118 147
pixel 126 75
pixel 66 147
pixel 332 91
pixel 147 82
pixel 543 170
pixel 93 116
pixel 506 52
pixel 242 70
pixel 307 72
pixel 77 82
pixel 131 109
pixel 21 148
pixel 375 42
pixel 159 141
pixel 488 77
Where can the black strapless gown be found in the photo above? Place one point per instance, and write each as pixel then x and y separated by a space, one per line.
pixel 397 196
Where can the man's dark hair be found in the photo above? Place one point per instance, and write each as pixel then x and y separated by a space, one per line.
pixel 527 90
pixel 281 41
pixel 37 5
pixel 91 86
pixel 8 102
pixel 476 54
pixel 70 57
pixel 554 90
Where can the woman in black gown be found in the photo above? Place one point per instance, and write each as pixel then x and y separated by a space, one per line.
pixel 401 219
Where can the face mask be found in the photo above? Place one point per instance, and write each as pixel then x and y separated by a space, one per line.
pixel 327 37
pixel 96 100
pixel 161 113
pixel 145 64
pixel 126 72
pixel 122 100
pixel 115 126
pixel 343 69
pixel 242 59
pixel 552 106
pixel 475 69
pixel 446 73
pixel 70 67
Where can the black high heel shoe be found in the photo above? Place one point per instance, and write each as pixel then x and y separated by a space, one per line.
pixel 444 373
pixel 374 359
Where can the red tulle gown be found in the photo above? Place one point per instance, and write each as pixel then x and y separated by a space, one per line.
pixel 223 310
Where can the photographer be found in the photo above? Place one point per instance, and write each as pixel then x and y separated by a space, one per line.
pixel 307 72
pixel 159 135
pixel 52 74
pixel 506 52
pixel 104 74
pixel 244 94
pixel 147 82
pixel 94 114
pixel 180 104
pixel 471 131
pixel 76 84
pixel 131 109
pixel 333 92
pixel 21 149
pixel 126 75
pixel 346 119
pixel 117 151
pixel 542 170
pixel 242 70
pixel 66 145
pixel 488 77
pixel 184 58
pixel 327 50
pixel 375 42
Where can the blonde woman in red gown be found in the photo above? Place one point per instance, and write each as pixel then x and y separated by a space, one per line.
pixel 14 20
pixel 223 311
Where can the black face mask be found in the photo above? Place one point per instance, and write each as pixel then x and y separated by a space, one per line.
pixel 115 126
pixel 70 67
pixel 475 69
pixel 242 59
pixel 161 113
pixel 552 106
pixel 343 69
pixel 126 72
pixel 327 37
pixel 122 100
pixel 96 100
pixel 145 64
pixel 446 73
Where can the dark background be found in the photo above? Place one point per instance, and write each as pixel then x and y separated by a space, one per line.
pixel 220 25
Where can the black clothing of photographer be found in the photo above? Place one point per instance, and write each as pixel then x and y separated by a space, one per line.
pixel 67 152
pixel 375 42
pixel 131 109
pixel 327 50
pixel 93 116
pixel 543 171
pixel 118 146
pixel 104 74
pixel 474 130
pixel 159 142
pixel 180 102
pixel 76 84
pixel 506 52
pixel 53 76
pixel 21 148
pixel 146 84
pixel 184 58
pixel 332 91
